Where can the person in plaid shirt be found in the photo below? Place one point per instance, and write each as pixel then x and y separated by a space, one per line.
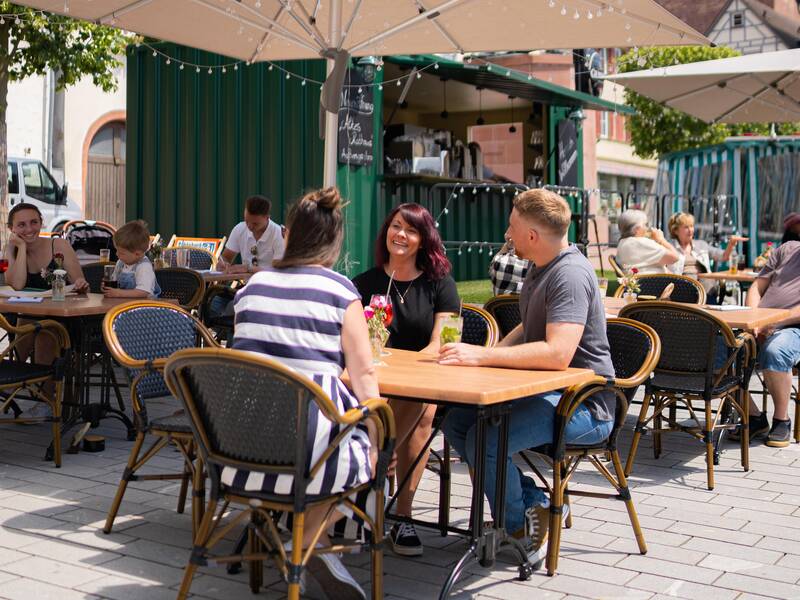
pixel 507 271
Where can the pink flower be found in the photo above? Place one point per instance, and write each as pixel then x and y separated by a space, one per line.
pixel 379 302
pixel 369 312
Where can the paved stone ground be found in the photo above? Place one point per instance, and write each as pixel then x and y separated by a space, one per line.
pixel 739 541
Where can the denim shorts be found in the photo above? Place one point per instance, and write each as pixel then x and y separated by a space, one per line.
pixel 781 351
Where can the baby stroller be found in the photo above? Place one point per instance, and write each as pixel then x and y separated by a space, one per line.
pixel 87 238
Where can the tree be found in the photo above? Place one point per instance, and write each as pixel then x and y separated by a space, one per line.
pixel 657 129
pixel 34 42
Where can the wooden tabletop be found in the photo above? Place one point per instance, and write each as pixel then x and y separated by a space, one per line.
pixel 741 276
pixel 217 276
pixel 415 375
pixel 746 318
pixel 77 305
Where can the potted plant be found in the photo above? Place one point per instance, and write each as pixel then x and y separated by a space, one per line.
pixel 631 284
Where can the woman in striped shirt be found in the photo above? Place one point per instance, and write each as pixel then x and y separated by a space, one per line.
pixel 310 318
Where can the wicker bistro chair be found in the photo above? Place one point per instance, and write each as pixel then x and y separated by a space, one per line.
pixel 141 335
pixel 264 432
pixel 635 350
pixel 199 258
pixel 686 375
pixel 505 310
pixel 687 290
pixel 184 285
pixel 20 379
pixel 612 260
pixel 479 328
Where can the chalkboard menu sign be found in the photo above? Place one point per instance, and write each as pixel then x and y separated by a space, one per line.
pixel 567 153
pixel 356 108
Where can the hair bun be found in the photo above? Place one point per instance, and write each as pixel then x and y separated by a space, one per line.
pixel 327 198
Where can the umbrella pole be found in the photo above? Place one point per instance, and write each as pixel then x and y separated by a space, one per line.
pixel 332 119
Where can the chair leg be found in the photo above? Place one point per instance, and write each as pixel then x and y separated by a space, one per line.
pixel 59 390
pixel 254 544
pixel 298 524
pixel 797 419
pixel 444 490
pixel 637 434
pixel 200 542
pixel 625 494
pixel 709 442
pixel 133 458
pixel 568 520
pixel 377 546
pixel 556 510
pixel 187 475
pixel 198 494
pixel 745 435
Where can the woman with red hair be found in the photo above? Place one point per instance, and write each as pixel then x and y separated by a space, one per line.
pixel 409 253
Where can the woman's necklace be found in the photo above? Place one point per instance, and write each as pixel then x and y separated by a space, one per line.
pixel 404 294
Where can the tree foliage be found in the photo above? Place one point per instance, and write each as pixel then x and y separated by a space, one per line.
pixel 657 129
pixel 33 42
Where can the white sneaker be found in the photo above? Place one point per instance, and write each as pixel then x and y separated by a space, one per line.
pixel 331 580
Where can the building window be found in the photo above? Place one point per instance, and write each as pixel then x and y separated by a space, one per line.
pixel 604 125
pixel 737 20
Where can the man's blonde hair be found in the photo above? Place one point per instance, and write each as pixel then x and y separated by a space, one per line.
pixel 545 208
pixel 133 236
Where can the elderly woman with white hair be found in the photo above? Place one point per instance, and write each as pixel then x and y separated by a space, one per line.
pixel 642 247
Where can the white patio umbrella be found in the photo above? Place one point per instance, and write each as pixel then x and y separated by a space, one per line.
pixel 257 30
pixel 742 89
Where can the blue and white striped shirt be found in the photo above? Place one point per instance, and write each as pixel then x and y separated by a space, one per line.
pixel 295 316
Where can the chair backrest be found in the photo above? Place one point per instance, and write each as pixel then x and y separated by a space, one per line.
pixel 635 351
pixel 247 411
pixel 145 333
pixel 87 238
pixel 214 246
pixel 184 285
pixel 687 290
pixel 612 260
pixel 689 336
pixel 505 310
pixel 199 258
pixel 480 328
pixel 155 239
pixel 93 274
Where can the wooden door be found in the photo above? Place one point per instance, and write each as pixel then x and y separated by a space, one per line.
pixel 105 178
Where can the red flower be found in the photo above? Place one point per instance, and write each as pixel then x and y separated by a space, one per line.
pixel 58 256
pixel 634 270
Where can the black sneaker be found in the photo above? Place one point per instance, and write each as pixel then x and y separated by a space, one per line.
pixel 780 435
pixel 757 425
pixel 405 540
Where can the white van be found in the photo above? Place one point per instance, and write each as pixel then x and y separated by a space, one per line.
pixel 29 181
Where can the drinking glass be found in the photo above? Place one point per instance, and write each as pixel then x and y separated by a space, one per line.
pixel 742 266
pixel 108 276
pixel 452 327
pixel 105 255
pixel 385 302
pixel 3 269
pixel 602 283
pixel 733 264
pixel 182 256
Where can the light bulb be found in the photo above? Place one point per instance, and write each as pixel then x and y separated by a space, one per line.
pixel 169 61
pixel 288 76
pixel 209 70
pixel 551 3
pixel 197 69
pixel 181 67
pixel 589 15
pixel 155 53
pixel 563 11
pixel 398 83
pixel 577 15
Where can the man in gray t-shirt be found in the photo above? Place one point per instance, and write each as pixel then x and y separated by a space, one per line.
pixel 563 326
pixel 777 286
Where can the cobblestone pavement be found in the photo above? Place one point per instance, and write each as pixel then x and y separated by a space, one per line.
pixel 739 541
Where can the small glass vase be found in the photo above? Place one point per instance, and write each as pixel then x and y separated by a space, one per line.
pixel 629 297
pixel 59 285
pixel 377 343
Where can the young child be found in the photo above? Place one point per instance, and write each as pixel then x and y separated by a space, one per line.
pixel 134 274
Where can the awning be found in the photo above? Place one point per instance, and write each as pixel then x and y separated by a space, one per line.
pixel 505 81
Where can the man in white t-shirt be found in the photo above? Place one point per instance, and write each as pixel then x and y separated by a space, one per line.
pixel 258 239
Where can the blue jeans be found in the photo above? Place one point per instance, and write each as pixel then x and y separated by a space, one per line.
pixel 781 351
pixel 530 425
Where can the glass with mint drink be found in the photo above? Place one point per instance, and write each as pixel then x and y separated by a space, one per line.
pixel 451 330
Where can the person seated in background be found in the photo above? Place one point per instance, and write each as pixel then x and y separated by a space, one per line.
pixel 791 228
pixel 698 254
pixel 642 247
pixel 777 286
pixel 134 273
pixel 258 239
pixel 507 271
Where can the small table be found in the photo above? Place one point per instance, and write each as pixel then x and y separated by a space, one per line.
pixel 746 318
pixel 740 276
pixel 418 377
pixel 81 314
